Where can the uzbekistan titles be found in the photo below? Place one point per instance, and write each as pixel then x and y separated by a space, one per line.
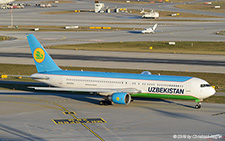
pixel 165 90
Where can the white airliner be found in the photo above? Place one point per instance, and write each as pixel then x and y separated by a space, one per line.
pixel 149 30
pixel 6 1
pixel 115 87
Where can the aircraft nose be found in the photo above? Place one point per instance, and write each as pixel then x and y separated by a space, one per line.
pixel 212 91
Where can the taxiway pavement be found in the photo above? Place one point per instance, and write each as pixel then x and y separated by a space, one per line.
pixel 30 115
pixel 122 60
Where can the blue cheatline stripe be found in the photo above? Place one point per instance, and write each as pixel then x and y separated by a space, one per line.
pixel 120 75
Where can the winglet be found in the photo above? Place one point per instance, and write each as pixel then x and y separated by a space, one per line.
pixel 42 59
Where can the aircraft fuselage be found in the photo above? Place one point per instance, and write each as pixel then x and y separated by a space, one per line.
pixel 158 86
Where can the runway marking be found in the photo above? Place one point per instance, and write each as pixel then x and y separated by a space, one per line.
pixel 63 38
pixel 83 124
pixel 65 110
pixel 95 128
pixel 28 128
pixel 78 121
pixel 218 114
pixel 112 132
pixel 69 113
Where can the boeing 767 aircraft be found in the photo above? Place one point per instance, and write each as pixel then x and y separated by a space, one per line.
pixel 115 87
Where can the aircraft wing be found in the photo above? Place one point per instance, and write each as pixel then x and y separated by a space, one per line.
pixel 102 91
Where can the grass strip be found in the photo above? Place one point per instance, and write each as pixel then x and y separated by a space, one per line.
pixel 169 14
pixel 161 13
pixel 205 7
pixel 146 2
pixel 215 99
pixel 60 28
pixel 59 1
pixel 2 38
pixel 187 47
pixel 221 33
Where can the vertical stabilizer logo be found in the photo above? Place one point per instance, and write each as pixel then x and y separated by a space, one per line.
pixel 39 55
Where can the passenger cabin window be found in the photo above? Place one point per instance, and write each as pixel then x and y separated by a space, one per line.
pixel 204 85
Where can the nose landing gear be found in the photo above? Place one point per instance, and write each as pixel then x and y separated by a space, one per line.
pixel 198 106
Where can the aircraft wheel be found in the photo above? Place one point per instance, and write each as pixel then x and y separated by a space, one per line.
pixel 198 106
pixel 101 102
pixel 105 102
pixel 109 102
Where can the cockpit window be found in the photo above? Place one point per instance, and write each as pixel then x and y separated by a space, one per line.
pixel 205 85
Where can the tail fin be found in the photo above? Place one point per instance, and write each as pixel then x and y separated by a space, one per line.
pixel 42 59
pixel 154 27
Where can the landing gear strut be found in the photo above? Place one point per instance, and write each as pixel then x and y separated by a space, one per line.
pixel 105 102
pixel 131 100
pixel 198 106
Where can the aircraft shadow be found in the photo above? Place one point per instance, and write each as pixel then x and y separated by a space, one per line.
pixel 18 133
pixel 135 32
pixel 182 115
pixel 163 100
pixel 23 86
pixel 131 17
pixel 80 96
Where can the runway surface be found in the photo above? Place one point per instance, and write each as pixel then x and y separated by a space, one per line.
pixel 123 60
pixel 30 115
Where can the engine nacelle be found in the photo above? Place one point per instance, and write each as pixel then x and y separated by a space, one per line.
pixel 121 98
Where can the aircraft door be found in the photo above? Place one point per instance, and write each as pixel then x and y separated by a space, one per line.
pixel 188 88
pixel 61 81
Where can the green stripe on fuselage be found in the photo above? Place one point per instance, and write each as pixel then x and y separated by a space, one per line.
pixel 150 95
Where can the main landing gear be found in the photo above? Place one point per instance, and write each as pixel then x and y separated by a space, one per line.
pixel 105 102
pixel 198 106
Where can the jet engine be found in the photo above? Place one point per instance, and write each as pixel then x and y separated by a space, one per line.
pixel 121 98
